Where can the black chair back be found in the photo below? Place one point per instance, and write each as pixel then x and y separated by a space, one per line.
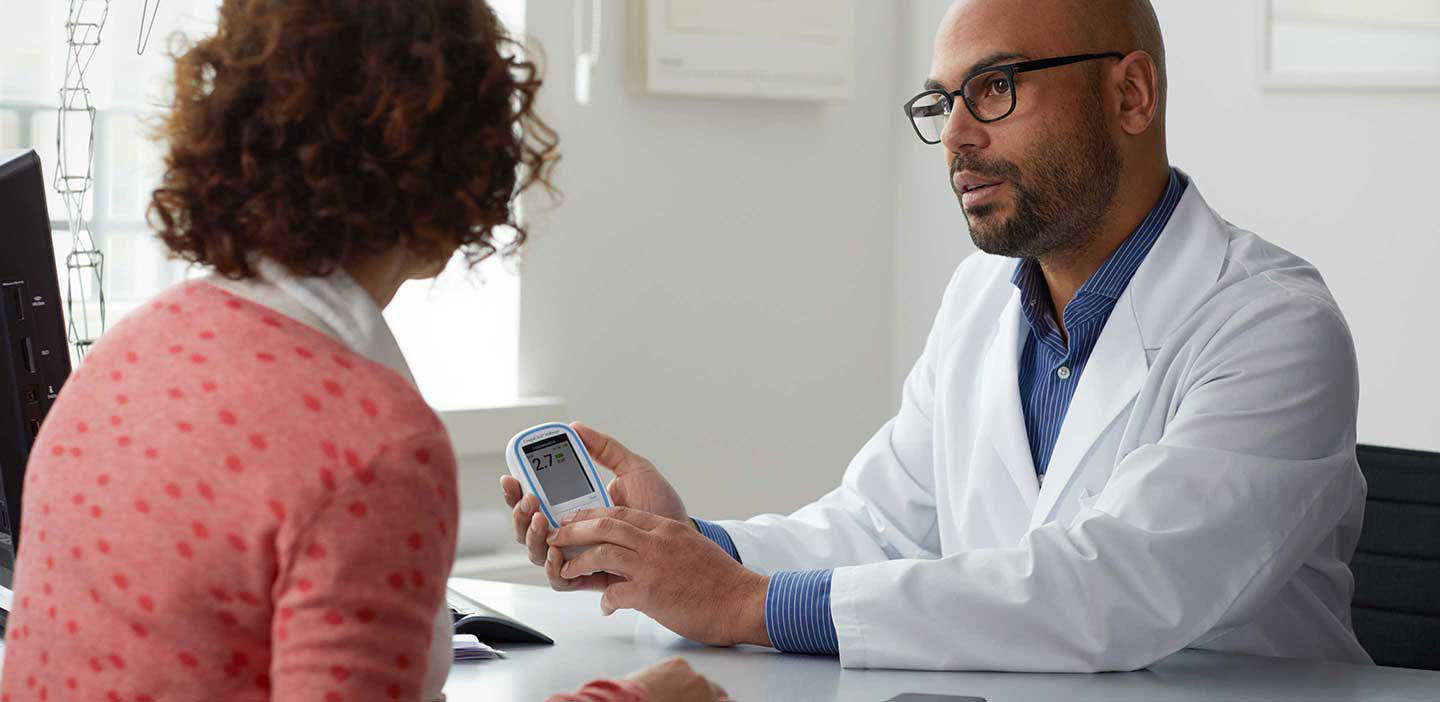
pixel 1396 610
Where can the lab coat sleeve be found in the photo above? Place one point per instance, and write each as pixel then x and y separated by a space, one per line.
pixel 885 505
pixel 1192 534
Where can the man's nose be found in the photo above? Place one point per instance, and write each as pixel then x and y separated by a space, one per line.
pixel 962 131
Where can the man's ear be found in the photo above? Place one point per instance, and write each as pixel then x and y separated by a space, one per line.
pixel 1138 82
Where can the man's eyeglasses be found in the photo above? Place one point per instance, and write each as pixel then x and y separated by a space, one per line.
pixel 988 93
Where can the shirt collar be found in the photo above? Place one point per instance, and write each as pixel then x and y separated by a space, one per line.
pixel 334 304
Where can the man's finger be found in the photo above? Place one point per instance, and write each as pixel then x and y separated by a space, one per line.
pixel 639 518
pixel 555 559
pixel 609 452
pixel 535 536
pixel 520 516
pixel 622 594
pixel 513 492
pixel 595 582
pixel 599 531
pixel 616 560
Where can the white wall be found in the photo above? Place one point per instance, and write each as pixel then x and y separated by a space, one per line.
pixel 931 237
pixel 1337 178
pixel 736 287
pixel 717 287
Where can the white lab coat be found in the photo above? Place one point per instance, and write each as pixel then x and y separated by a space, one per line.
pixel 1203 491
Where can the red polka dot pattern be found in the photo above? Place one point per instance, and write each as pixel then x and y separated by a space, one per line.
pixel 212 490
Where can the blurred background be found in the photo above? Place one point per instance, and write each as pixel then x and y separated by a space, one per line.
pixel 752 243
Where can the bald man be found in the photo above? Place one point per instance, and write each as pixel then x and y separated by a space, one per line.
pixel 1131 431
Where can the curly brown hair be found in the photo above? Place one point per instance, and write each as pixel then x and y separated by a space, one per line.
pixel 314 131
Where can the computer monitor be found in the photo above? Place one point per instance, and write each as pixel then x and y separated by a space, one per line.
pixel 34 361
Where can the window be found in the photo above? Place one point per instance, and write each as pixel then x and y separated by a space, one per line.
pixel 125 90
pixel 459 332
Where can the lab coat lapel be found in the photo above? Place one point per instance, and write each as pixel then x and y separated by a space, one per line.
pixel 1111 379
pixel 1003 423
pixel 1176 277
pixel 1180 272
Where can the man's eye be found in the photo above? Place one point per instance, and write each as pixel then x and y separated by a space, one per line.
pixel 1000 86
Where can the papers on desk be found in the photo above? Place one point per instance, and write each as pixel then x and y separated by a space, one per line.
pixel 469 648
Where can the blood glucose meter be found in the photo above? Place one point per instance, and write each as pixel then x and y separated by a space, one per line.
pixel 551 463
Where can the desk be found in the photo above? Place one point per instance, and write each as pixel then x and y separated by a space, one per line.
pixel 589 645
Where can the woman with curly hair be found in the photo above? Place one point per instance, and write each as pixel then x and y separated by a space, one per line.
pixel 241 494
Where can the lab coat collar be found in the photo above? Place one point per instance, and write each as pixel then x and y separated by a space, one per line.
pixel 1180 271
pixel 334 304
pixel 1175 277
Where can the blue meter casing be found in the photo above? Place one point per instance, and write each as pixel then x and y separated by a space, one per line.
pixel 551 463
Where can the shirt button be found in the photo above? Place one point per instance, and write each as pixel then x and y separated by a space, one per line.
pixel 1063 373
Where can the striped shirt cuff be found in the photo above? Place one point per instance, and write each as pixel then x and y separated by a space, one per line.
pixel 797 612
pixel 716 533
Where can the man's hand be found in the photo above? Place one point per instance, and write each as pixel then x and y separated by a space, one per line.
pixel 637 485
pixel 669 571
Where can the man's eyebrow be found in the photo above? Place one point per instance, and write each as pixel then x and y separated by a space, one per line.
pixel 990 60
pixel 993 59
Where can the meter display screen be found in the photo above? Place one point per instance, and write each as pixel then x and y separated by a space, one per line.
pixel 557 466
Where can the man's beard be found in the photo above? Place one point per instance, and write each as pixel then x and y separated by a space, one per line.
pixel 1060 205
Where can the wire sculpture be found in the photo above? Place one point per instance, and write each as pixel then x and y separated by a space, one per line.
pixel 143 40
pixel 85 264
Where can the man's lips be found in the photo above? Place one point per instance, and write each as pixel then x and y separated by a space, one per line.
pixel 966 180
pixel 973 188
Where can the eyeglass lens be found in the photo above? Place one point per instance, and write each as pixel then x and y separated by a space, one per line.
pixel 991 96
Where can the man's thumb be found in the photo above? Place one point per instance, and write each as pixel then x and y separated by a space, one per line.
pixel 609 452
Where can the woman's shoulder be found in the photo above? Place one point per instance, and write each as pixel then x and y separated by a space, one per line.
pixel 200 386
pixel 221 344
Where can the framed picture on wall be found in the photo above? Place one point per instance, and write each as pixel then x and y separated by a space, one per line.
pixel 1350 45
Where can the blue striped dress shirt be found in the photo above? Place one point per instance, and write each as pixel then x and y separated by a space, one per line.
pixel 797 606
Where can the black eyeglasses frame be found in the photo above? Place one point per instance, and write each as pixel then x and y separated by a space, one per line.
pixel 1010 70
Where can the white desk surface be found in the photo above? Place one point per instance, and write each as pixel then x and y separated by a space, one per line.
pixel 589 645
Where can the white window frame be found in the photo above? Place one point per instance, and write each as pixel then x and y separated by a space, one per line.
pixel 474 416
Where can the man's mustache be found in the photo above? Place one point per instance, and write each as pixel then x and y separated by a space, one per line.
pixel 998 169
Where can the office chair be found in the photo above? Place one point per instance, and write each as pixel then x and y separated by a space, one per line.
pixel 1396 610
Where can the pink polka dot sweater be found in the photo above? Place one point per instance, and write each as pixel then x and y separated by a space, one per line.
pixel 225 504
